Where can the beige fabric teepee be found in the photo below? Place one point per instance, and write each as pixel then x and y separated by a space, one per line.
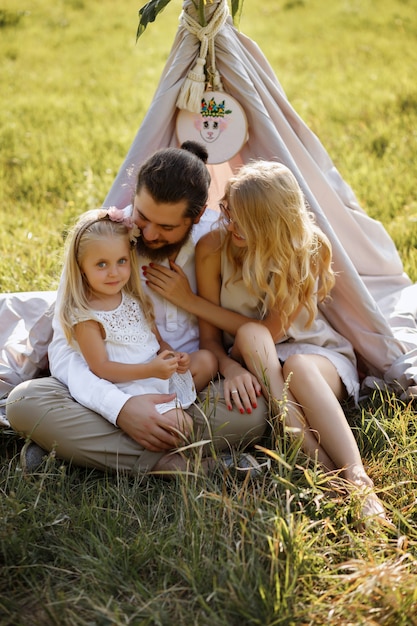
pixel 374 303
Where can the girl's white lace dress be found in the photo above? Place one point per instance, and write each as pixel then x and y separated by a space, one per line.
pixel 129 339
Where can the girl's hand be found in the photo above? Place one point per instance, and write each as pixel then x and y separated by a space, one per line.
pixel 164 365
pixel 171 283
pixel 183 362
pixel 241 388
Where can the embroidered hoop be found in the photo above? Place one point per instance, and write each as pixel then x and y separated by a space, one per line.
pixel 220 125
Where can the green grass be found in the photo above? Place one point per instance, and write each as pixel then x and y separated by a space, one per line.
pixel 79 547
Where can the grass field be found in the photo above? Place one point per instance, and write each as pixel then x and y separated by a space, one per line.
pixel 81 548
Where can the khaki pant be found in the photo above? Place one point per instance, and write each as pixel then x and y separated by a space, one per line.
pixel 43 410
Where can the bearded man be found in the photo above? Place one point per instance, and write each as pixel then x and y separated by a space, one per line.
pixel 99 425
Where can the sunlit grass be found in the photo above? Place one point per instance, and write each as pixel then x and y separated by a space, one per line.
pixel 115 549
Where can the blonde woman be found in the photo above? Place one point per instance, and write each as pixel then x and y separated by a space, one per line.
pixel 260 278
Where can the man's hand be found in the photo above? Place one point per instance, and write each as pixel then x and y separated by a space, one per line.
pixel 141 421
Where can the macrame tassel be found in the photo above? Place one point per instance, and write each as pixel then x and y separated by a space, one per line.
pixel 193 88
pixel 194 85
pixel 217 84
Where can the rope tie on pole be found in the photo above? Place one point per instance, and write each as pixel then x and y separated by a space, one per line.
pixel 194 85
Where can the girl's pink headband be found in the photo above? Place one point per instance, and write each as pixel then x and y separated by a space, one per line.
pixel 115 215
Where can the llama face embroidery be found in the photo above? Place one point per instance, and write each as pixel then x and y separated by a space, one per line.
pixel 210 129
pixel 221 126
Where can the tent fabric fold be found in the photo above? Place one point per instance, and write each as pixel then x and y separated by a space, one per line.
pixel 374 304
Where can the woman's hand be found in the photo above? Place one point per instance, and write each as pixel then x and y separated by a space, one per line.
pixel 240 388
pixel 171 283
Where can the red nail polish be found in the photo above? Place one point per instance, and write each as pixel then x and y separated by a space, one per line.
pixel 229 408
pixel 254 405
pixel 242 411
pixel 249 411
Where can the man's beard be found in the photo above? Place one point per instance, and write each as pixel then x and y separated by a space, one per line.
pixel 169 250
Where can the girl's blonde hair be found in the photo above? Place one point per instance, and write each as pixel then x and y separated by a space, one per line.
pixel 286 253
pixel 90 227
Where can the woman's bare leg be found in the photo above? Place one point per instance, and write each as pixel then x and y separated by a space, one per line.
pixel 255 344
pixel 315 383
pixel 314 390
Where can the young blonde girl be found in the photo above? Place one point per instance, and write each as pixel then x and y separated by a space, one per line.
pixel 106 314
pixel 260 278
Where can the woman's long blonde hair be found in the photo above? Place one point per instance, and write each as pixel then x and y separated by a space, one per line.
pixel 92 226
pixel 287 255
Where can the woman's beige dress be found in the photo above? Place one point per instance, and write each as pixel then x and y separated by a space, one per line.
pixel 319 338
